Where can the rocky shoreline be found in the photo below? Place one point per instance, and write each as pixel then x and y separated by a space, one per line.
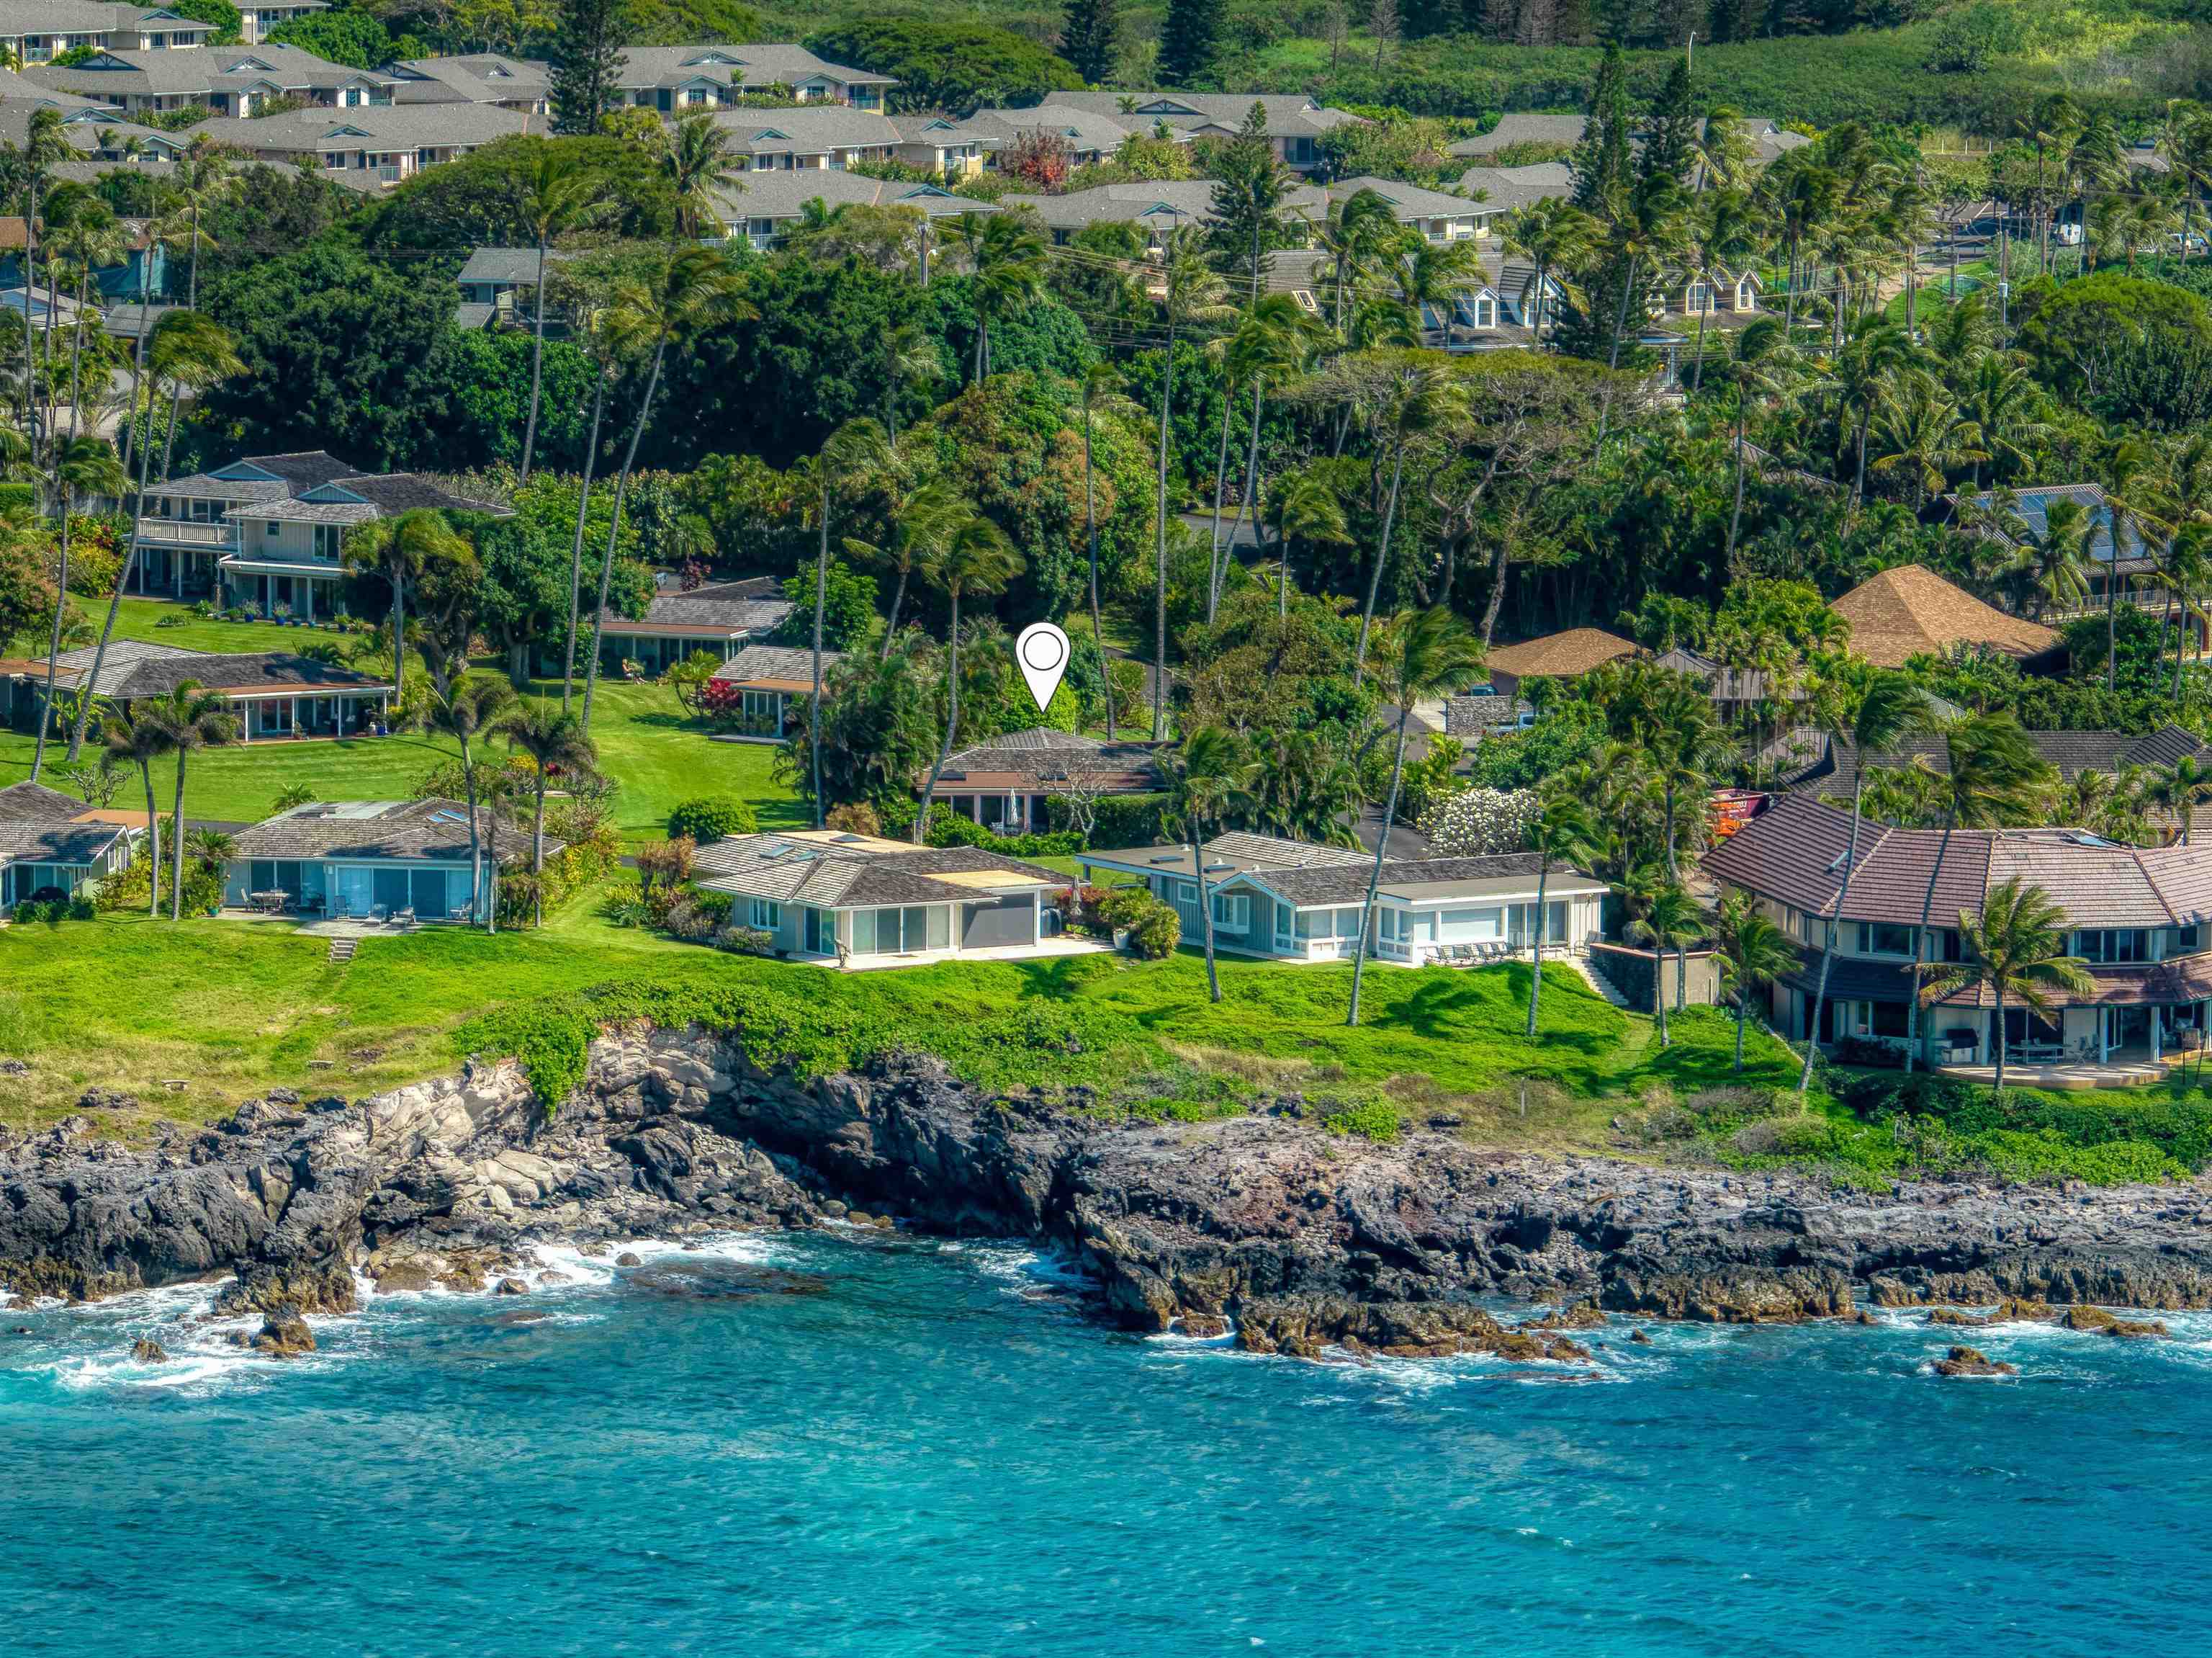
pixel 1300 1240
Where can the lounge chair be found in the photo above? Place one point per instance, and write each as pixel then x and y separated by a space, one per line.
pixel 404 918
pixel 376 915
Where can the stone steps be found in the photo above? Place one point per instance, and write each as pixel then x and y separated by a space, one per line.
pixel 1604 986
pixel 341 951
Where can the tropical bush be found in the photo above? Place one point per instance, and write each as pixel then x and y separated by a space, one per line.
pixel 711 818
pixel 1479 822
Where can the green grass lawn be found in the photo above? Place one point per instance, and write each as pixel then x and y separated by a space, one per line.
pixel 234 1008
pixel 645 744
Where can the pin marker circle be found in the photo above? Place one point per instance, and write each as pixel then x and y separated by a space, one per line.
pixel 1041 652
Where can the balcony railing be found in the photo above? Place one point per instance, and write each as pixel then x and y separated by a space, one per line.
pixel 186 533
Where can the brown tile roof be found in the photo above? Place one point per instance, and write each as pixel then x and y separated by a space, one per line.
pixel 1561 655
pixel 1910 611
pixel 1795 852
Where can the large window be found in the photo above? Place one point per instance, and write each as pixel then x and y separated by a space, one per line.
pixel 1233 910
pixel 767 914
pixel 902 931
pixel 1884 938
pixel 2113 944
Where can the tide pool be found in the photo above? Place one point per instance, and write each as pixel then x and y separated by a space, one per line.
pixel 909 1446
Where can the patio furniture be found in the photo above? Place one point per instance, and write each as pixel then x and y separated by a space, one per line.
pixel 269 903
pixel 376 915
pixel 460 913
pixel 404 917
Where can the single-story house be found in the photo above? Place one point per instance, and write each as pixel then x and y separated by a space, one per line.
pixel 1910 611
pixel 1564 655
pixel 51 844
pixel 773 684
pixel 719 619
pixel 2140 919
pixel 764 212
pixel 1003 783
pixel 497 287
pixel 273 693
pixel 378 860
pixel 860 900
pixel 1293 900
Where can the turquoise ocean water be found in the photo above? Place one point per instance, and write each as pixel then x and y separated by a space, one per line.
pixel 930 1451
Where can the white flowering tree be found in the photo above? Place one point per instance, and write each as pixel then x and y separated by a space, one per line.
pixel 1478 822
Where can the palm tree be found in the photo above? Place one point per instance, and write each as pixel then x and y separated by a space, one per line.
pixel 189 719
pixel 1566 833
pixel 855 448
pixel 1996 773
pixel 201 179
pixel 693 291
pixel 1923 434
pixel 1356 232
pixel 2016 949
pixel 475 703
pixel 1754 953
pixel 2138 511
pixel 1306 509
pixel 82 466
pixel 2064 554
pixel 978 559
pixel 91 239
pixel 555 742
pixel 558 194
pixel 1193 293
pixel 1275 340
pixel 1860 376
pixel 921 516
pixel 587 322
pixel 136 741
pixel 1553 235
pixel 1415 395
pixel 1433 653
pixel 1873 709
pixel 909 354
pixel 1721 233
pixel 1213 779
pixel 1006 258
pixel 2180 789
pixel 399 551
pixel 44 147
pixel 1764 366
pixel 1671 920
pixel 1102 387
pixel 699 162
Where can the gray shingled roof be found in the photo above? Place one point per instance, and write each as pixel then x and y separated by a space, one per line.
pixel 756 65
pixel 56 843
pixel 1236 852
pixel 380 126
pixel 1505 188
pixel 783 194
pixel 384 494
pixel 300 470
pixel 1419 879
pixel 1048 755
pixel 737 605
pixel 427 831
pixel 33 802
pixel 133 669
pixel 807 129
pixel 508 265
pixel 784 663
pixel 470 79
pixel 854 874
pixel 1288 113
pixel 204 69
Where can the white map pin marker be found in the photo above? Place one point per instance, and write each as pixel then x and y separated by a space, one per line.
pixel 1042 652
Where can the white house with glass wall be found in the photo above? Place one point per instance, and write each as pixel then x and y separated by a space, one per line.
pixel 1296 901
pixel 863 901
pixel 381 861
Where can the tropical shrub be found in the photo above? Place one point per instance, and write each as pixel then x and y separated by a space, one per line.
pixel 711 818
pixel 1480 822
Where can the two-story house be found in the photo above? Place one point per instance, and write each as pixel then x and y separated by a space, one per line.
pixel 266 532
pixel 34 31
pixel 2140 919
pixel 830 138
pixel 521 84
pixel 228 80
pixel 1296 123
pixel 675 79
pixel 371 149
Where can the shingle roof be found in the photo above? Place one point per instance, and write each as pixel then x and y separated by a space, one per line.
pixel 1523 127
pixel 475 79
pixel 204 69
pixel 1042 756
pixel 508 265
pixel 33 802
pixel 2071 751
pixel 779 665
pixel 1561 655
pixel 1425 880
pixel 431 830
pixel 1236 852
pixel 736 607
pixel 1292 114
pixel 783 194
pixel 1910 611
pixel 1505 188
pixel 300 470
pixel 805 130
pixel 133 669
pixel 359 497
pixel 832 871
pixel 56 843
pixel 378 126
pixel 769 63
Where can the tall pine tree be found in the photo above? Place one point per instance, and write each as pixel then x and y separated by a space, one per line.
pixel 1670 132
pixel 1188 42
pixel 1091 38
pixel 586 56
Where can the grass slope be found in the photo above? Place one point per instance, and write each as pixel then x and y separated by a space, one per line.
pixel 645 744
